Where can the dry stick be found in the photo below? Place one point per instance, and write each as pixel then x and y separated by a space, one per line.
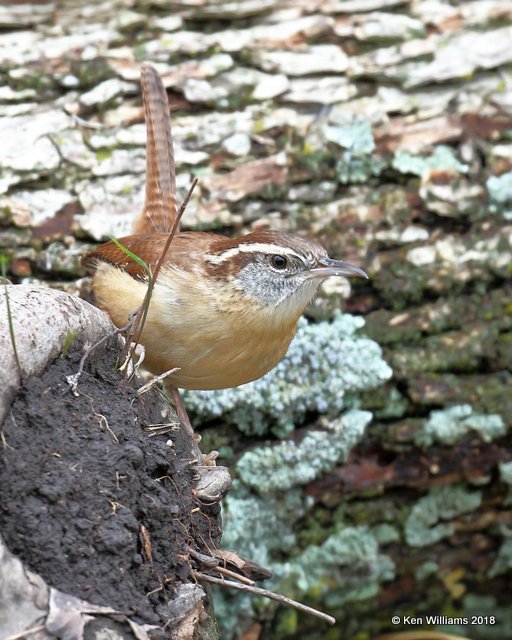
pixel 149 385
pixel 147 297
pixel 233 574
pixel 27 632
pixel 214 564
pixel 85 123
pixel 72 380
pixel 174 228
pixel 10 322
pixel 265 593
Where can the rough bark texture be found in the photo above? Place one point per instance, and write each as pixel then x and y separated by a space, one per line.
pixel 381 127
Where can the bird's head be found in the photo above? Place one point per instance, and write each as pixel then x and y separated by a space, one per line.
pixel 280 271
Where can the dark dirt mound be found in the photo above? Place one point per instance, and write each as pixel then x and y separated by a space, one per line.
pixel 89 500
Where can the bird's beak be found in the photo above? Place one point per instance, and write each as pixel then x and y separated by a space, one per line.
pixel 329 267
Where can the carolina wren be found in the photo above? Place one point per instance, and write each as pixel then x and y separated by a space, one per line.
pixel 222 310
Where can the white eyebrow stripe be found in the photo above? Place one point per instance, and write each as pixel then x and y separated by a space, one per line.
pixel 251 247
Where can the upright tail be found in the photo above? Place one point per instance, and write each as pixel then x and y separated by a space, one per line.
pixel 159 210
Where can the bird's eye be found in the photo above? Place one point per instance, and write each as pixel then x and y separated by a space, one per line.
pixel 278 262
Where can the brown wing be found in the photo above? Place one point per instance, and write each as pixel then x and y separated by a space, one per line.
pixel 186 248
pixel 159 210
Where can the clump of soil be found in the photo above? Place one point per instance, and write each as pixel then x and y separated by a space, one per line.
pixel 93 503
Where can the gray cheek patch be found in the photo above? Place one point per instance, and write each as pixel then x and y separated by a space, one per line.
pixel 266 286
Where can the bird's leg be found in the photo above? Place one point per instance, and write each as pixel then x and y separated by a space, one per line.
pixel 182 412
pixel 205 459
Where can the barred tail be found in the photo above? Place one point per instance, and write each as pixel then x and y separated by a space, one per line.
pixel 159 210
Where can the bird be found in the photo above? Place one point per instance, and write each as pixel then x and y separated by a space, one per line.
pixel 223 310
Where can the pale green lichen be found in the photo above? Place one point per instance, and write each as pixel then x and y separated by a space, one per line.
pixel 274 470
pixel 289 464
pixel 269 521
pixel 350 144
pixel 426 569
pixel 356 137
pixel 357 162
pixel 441 158
pixel 506 472
pixel 484 605
pixel 326 363
pixel 259 529
pixel 447 426
pixel 351 169
pixel 267 500
pixel 500 194
pixel 503 561
pixel 506 477
pixel 443 503
pixel 346 567
pixel 386 533
pixel 230 608
pixel 394 406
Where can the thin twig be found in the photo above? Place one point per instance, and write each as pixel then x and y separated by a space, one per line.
pixel 214 564
pixel 104 423
pixel 85 123
pixel 174 228
pixel 265 593
pixel 27 632
pixel 149 385
pixel 142 313
pixel 161 428
pixel 72 380
pixel 233 574
pixel 102 420
pixel 9 318
pixel 129 371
